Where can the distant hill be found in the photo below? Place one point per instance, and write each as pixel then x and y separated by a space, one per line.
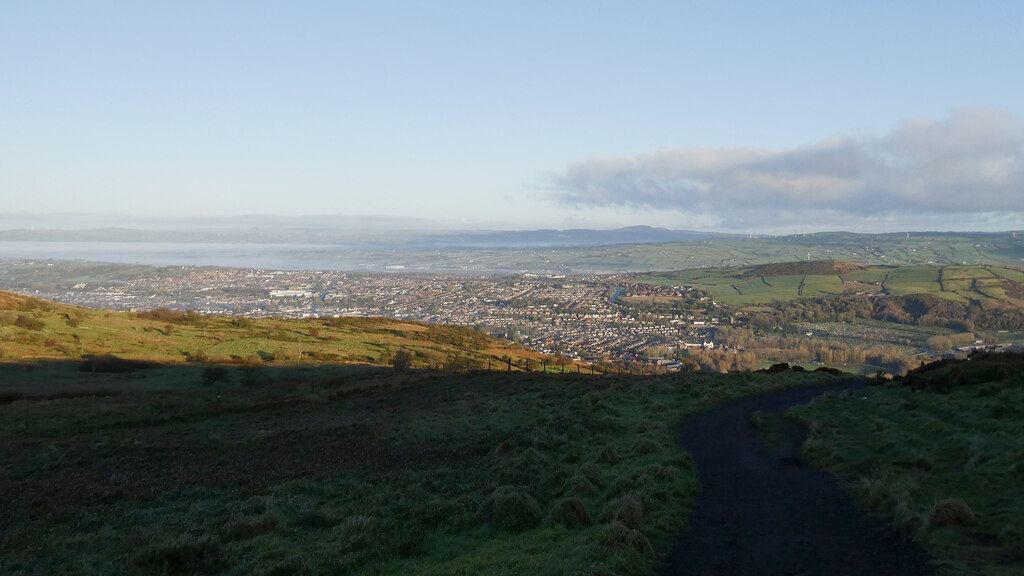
pixel 31 328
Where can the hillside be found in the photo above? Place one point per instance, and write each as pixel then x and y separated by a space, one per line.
pixel 34 329
pixel 347 471
pixel 939 454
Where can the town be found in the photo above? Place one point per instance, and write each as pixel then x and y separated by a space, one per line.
pixel 593 318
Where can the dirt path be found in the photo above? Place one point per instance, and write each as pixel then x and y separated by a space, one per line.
pixel 762 513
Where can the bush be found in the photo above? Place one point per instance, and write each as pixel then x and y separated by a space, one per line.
pixel 402 361
pixel 509 508
pixel 29 323
pixel 241 322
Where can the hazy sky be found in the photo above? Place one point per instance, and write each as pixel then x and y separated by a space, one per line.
pixel 764 116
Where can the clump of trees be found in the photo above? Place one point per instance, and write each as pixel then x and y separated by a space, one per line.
pixel 948 341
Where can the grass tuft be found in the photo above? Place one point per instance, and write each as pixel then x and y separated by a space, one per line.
pixel 609 455
pixel 951 512
pixel 628 510
pixel 509 508
pixel 571 512
pixel 617 535
pixel 185 554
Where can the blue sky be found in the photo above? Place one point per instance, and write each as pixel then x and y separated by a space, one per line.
pixel 773 117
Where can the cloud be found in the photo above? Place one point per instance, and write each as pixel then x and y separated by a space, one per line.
pixel 969 165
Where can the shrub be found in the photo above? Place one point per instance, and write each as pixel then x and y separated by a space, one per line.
pixel 402 361
pixel 241 322
pixel 571 512
pixel 161 315
pixel 29 323
pixel 951 512
pixel 509 508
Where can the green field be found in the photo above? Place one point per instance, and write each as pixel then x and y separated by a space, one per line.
pixel 748 286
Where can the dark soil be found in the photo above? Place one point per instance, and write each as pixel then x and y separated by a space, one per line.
pixel 761 512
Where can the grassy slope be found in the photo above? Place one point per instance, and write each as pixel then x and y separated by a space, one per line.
pixel 61 332
pixel 346 472
pixel 904 451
